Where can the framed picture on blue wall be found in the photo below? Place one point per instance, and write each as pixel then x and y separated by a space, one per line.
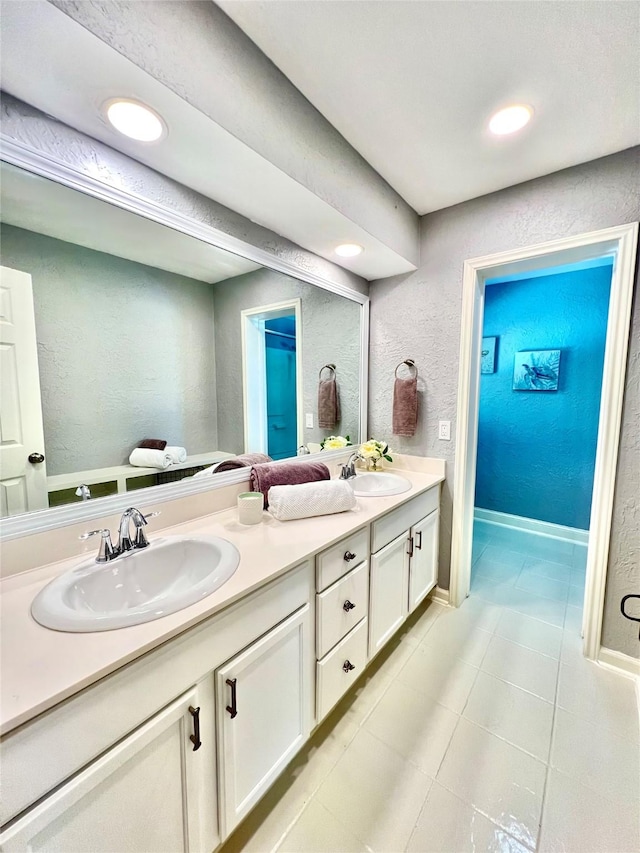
pixel 536 370
pixel 488 360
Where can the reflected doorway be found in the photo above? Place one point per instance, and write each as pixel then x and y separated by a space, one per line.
pixel 272 379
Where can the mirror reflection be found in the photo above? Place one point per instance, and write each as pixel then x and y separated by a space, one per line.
pixel 116 329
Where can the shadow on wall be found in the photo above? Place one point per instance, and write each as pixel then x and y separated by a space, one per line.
pixel 536 447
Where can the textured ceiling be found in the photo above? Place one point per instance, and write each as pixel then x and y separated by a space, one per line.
pixel 411 85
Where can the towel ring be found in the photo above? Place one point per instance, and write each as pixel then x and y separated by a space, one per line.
pixel 410 364
pixel 331 367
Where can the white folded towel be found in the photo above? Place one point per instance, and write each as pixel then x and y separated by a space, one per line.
pixel 143 457
pixel 306 499
pixel 177 454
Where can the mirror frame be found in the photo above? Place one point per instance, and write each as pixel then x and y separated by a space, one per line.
pixel 25 157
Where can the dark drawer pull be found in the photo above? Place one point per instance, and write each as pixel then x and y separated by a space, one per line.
pixel 233 707
pixel 348 605
pixel 419 542
pixel 348 666
pixel 195 737
pixel 348 556
pixel 410 551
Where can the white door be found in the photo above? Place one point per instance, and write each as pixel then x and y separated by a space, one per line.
pixel 388 591
pixel 263 714
pixel 150 792
pixel 423 568
pixel 23 484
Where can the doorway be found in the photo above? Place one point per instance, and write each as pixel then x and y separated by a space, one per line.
pixel 543 343
pixel 619 244
pixel 272 379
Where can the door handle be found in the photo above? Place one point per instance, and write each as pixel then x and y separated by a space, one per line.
pixel 233 707
pixel 419 542
pixel 195 737
pixel 34 458
pixel 410 551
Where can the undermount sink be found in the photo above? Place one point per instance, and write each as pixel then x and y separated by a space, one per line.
pixel 167 575
pixel 379 484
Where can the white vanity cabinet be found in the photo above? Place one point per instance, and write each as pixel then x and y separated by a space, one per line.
pixel 263 714
pixel 388 592
pixel 153 791
pixel 423 560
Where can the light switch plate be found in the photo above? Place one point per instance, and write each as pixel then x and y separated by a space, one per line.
pixel 309 420
pixel 444 430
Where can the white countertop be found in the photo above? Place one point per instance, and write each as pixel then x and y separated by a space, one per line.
pixel 41 667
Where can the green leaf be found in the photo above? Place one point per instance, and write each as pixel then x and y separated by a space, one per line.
pixel 388 458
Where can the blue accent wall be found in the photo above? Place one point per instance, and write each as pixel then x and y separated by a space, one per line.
pixel 536 449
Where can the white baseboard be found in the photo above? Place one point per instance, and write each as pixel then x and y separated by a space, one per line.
pixel 440 595
pixel 620 663
pixel 532 525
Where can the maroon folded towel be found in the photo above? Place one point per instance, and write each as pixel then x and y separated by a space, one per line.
pixel 242 461
pixel 153 443
pixel 286 474
pixel 405 406
pixel 328 403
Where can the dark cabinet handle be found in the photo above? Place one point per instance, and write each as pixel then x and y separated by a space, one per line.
pixel 348 605
pixel 419 542
pixel 410 551
pixel 195 737
pixel 34 458
pixel 348 666
pixel 233 707
pixel 348 556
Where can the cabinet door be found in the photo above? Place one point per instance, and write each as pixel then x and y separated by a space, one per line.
pixel 150 792
pixel 263 714
pixel 388 591
pixel 423 568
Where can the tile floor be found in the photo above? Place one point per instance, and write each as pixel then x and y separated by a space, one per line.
pixel 477 729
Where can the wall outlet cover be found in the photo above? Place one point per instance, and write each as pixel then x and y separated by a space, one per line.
pixel 309 420
pixel 444 430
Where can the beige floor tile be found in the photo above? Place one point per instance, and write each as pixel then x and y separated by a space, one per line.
pixel 523 667
pixel 603 698
pixel 449 825
pixel 531 633
pixel 512 714
pixel 576 596
pixel 445 678
pixel 571 652
pixel 419 624
pixel 573 619
pixel 460 639
pixel 414 725
pixel 475 612
pixel 318 831
pixel 544 587
pixel 596 757
pixel 506 595
pixel 502 572
pixel 376 793
pixel 547 569
pixel 503 556
pixel 578 820
pixel 499 780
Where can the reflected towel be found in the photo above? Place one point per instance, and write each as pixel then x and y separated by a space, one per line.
pixel 308 499
pixel 405 406
pixel 328 403
pixel 143 457
pixel 285 474
pixel 153 443
pixel 242 461
pixel 177 454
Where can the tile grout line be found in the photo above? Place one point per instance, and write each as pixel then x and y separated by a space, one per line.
pixel 548 762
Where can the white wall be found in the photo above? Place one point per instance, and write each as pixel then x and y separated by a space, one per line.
pixel 418 316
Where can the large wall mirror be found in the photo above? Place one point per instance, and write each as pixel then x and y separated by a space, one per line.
pixel 129 330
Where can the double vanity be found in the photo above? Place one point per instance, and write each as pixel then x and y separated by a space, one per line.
pixel 164 735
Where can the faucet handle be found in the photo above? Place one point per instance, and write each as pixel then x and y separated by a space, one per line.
pixel 140 521
pixel 106 551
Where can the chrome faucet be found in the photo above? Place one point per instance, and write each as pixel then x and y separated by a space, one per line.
pixel 348 471
pixel 107 551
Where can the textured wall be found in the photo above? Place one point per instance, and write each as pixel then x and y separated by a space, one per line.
pixel 124 350
pixel 418 316
pixel 330 333
pixel 199 53
pixel 536 449
pixel 31 127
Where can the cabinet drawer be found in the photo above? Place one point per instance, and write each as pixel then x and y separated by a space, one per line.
pixel 334 677
pixel 332 563
pixel 390 526
pixel 333 619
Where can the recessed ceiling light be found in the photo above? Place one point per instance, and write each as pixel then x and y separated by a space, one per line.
pixel 510 119
pixel 348 250
pixel 135 120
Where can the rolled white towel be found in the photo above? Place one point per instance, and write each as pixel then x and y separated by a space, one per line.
pixel 307 499
pixel 177 454
pixel 143 457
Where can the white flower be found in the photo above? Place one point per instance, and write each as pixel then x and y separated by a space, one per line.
pixel 334 442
